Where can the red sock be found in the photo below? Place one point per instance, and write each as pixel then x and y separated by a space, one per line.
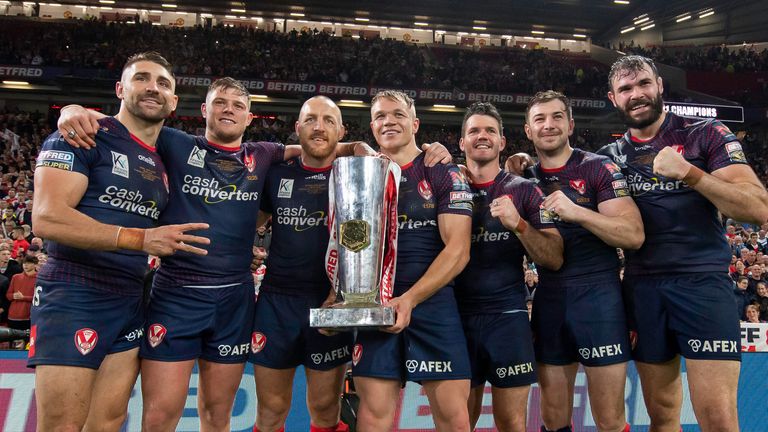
pixel 340 427
pixel 627 428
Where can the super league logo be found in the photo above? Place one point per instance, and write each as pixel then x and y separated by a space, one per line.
pixel 411 365
pixel 156 334
pixel 357 353
pixel 85 340
pixel 258 340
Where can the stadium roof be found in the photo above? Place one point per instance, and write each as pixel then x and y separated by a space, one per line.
pixel 597 19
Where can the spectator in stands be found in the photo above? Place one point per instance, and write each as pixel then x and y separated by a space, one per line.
pixel 20 243
pixel 742 296
pixel 755 276
pixel 752 243
pixel 762 299
pixel 24 213
pixel 531 281
pixel 20 294
pixel 752 314
pixel 740 270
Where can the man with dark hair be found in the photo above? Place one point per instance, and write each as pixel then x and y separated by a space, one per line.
pixel 681 171
pixel 507 222
pixel 97 209
pixel 578 312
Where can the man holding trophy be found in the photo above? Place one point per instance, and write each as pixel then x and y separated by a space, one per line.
pixel 296 195
pixel 426 343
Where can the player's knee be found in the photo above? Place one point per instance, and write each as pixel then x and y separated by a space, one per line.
pixel 156 419
pixel 328 402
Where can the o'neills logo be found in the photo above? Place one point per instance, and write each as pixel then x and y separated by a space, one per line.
pixel 129 201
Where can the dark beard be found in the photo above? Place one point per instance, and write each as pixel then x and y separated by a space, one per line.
pixel 656 108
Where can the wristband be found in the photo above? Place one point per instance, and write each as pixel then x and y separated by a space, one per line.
pixel 693 176
pixel 130 238
pixel 521 226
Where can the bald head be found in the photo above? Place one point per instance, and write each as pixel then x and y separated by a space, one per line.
pixel 319 127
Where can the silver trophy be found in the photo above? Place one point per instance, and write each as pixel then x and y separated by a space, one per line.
pixel 361 254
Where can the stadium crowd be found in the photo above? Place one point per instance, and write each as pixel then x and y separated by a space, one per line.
pixel 307 56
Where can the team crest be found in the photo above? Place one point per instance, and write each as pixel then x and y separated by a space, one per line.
pixel 425 190
pixel 678 148
pixel 357 353
pixel 119 164
pixel 258 340
pixel 85 340
pixel 250 163
pixel 156 334
pixel 32 339
pixel 579 186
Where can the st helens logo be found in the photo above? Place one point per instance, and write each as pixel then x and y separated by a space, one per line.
pixel 425 190
pixel 579 185
pixel 357 352
pixel 258 340
pixel 85 340
pixel 678 148
pixel 249 162
pixel 156 334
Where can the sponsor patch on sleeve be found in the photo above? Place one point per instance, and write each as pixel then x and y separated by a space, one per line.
pixel 547 216
pixel 735 152
pixel 620 188
pixel 58 159
pixel 460 200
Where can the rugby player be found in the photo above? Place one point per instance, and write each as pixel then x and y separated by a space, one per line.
pixel 97 210
pixel 578 311
pixel 508 220
pixel 681 172
pixel 426 344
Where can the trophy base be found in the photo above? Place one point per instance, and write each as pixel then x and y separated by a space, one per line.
pixel 350 318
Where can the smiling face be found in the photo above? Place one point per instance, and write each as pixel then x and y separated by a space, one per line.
pixel 393 123
pixel 227 114
pixel 548 125
pixel 147 91
pixel 482 140
pixel 636 94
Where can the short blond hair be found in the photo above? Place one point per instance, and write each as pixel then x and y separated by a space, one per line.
pixel 396 96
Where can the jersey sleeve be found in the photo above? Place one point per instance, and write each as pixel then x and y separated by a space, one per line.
pixel 57 153
pixel 273 152
pixel 721 147
pixel 451 189
pixel 608 179
pixel 171 138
